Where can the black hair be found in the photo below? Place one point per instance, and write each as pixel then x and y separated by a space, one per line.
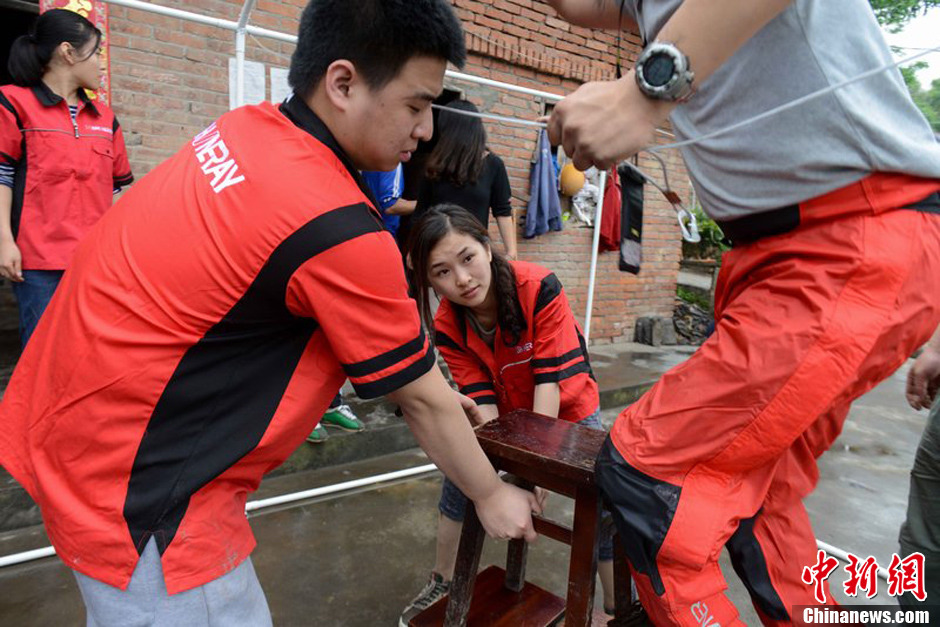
pixel 433 226
pixel 461 145
pixel 31 53
pixel 377 36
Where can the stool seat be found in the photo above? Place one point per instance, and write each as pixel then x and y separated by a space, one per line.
pixel 558 456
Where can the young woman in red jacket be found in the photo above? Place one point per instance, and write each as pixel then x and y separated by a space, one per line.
pixel 62 156
pixel 511 342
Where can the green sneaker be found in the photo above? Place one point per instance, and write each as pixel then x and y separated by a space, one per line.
pixel 342 417
pixel 318 435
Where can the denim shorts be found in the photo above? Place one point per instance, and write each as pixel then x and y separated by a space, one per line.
pixel 453 503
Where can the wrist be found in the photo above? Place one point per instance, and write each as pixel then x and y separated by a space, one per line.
pixel 488 489
pixel 663 72
pixel 656 110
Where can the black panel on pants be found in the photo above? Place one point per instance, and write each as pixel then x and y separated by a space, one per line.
pixel 225 390
pixel 642 507
pixel 749 563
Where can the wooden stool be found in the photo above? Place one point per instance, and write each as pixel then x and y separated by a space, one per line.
pixel 558 456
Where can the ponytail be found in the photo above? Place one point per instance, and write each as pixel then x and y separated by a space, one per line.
pixel 27 63
pixel 31 53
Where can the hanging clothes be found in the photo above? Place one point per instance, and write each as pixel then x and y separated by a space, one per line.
pixel 631 219
pixel 611 217
pixel 544 211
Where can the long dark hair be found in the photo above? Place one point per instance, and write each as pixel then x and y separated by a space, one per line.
pixel 433 226
pixel 461 145
pixel 31 53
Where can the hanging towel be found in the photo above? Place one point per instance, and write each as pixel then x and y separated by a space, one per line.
pixel 631 219
pixel 611 218
pixel 544 212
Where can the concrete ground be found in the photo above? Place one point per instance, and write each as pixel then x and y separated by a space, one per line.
pixel 356 559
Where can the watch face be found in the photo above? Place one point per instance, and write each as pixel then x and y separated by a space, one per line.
pixel 659 69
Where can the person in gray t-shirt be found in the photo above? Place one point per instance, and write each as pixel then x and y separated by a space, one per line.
pixel 831 206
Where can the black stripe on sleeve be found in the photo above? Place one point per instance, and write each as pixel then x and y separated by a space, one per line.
pixel 484 386
pixel 485 400
pixel 6 104
pixel 123 181
pixel 549 290
pixel 221 398
pixel 19 175
pixel 560 375
pixel 385 360
pixel 587 356
pixel 380 387
pixel 442 339
pixel 554 362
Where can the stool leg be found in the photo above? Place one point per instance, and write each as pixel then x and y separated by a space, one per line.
pixel 518 549
pixel 583 564
pixel 515 564
pixel 465 570
pixel 623 596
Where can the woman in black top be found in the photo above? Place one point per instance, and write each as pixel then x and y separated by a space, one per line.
pixel 462 171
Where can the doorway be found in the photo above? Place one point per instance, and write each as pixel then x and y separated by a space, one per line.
pixel 15 19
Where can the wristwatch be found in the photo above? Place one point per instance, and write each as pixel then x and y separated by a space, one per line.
pixel 663 73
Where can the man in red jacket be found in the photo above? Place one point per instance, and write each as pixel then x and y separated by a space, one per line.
pixel 211 316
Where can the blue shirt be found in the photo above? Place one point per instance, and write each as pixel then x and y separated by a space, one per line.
pixel 387 188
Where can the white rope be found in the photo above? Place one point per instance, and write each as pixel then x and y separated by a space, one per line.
pixel 491 116
pixel 793 103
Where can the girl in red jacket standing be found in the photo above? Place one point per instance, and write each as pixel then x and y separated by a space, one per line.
pixel 510 341
pixel 62 156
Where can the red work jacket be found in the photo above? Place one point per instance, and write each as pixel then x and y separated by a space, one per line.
pixel 550 350
pixel 65 172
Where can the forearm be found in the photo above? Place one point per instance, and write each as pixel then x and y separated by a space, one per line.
pixel 402 207
pixel 507 231
pixel 547 399
pixel 593 13
pixel 6 205
pixel 434 415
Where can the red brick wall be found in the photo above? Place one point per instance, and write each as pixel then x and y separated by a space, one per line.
pixel 170 80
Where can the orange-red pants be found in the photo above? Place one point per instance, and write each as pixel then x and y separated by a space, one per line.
pixel 721 452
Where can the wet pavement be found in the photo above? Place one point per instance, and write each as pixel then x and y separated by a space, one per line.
pixel 355 559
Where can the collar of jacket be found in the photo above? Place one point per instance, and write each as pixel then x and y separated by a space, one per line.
pixel 297 111
pixel 49 98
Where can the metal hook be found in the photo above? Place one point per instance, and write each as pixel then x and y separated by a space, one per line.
pixel 689 233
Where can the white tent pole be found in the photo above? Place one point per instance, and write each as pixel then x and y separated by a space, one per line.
pixel 240 51
pixel 602 183
pixel 201 19
pixel 239 67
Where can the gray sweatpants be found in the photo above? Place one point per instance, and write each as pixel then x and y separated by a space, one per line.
pixel 921 531
pixel 234 599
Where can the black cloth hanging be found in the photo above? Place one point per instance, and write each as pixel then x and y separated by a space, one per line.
pixel 631 219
